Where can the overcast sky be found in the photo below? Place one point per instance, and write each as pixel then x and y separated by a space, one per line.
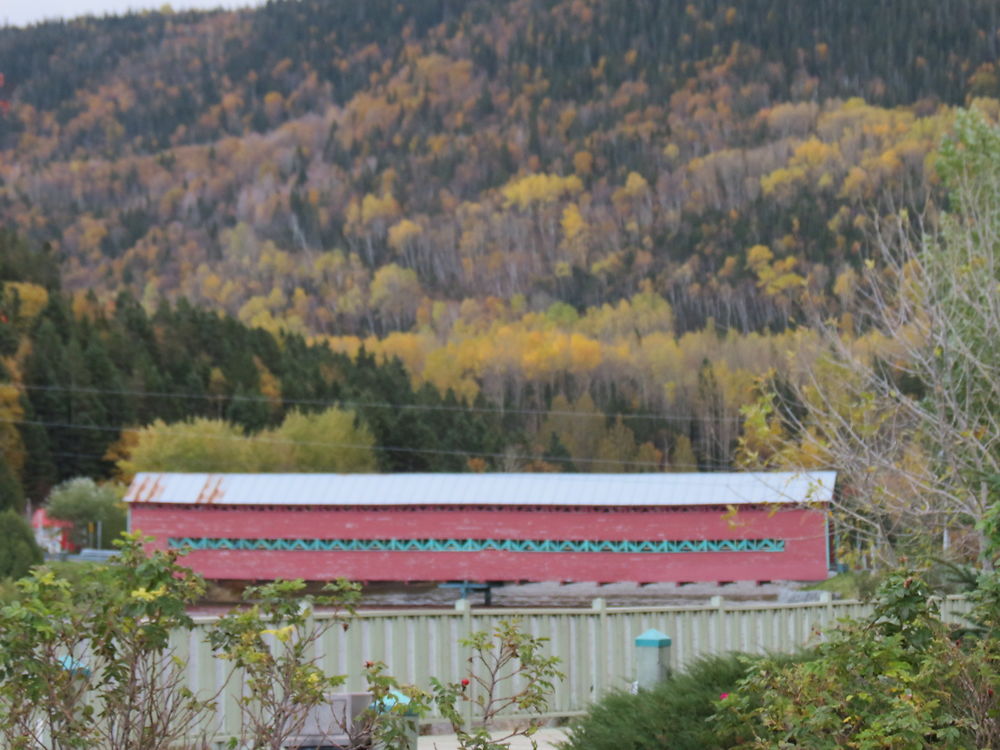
pixel 24 12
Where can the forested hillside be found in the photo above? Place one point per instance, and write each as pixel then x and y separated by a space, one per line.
pixel 335 165
pixel 586 227
pixel 81 377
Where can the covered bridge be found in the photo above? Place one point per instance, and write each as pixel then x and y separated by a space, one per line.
pixel 491 527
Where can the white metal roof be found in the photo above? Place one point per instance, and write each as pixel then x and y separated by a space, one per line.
pixel 484 489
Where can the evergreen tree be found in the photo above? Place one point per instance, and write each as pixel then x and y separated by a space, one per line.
pixel 11 493
pixel 249 409
pixel 557 454
pixel 18 549
pixel 47 408
pixel 87 432
pixel 39 472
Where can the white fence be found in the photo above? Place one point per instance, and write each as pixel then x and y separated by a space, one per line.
pixel 595 646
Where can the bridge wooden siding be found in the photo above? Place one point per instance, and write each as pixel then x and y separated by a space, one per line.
pixel 500 527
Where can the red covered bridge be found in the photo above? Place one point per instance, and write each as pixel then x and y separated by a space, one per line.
pixel 491 527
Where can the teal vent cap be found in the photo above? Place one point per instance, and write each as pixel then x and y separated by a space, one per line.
pixel 653 637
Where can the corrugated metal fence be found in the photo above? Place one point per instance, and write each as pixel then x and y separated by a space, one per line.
pixel 595 646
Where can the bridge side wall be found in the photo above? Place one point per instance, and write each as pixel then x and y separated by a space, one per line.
pixel 798 552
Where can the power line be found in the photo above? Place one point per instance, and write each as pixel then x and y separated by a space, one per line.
pixel 363 446
pixel 375 404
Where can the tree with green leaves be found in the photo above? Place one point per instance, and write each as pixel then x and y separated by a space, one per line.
pixel 96 511
pixel 194 445
pixel 334 440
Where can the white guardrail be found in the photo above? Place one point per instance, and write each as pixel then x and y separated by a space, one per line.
pixel 595 645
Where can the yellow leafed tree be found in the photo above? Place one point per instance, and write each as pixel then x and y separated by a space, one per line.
pixel 330 441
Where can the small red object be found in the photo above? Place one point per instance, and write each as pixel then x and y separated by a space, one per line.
pixel 465 682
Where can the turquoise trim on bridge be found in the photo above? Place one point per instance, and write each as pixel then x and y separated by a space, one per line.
pixel 480 545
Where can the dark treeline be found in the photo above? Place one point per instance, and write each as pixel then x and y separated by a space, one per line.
pixel 82 373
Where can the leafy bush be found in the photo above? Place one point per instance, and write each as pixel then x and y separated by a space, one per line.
pixel 672 715
pixel 76 574
pixel 508 668
pixel 898 679
pixel 90 664
pixel 281 680
pixel 87 660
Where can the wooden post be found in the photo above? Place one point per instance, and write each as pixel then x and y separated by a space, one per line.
pixel 599 606
pixel 465 607
pixel 825 597
pixel 720 623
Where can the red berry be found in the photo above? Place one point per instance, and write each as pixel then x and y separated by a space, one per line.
pixel 465 682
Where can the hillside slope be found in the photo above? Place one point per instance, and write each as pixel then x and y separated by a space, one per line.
pixel 603 221
pixel 333 164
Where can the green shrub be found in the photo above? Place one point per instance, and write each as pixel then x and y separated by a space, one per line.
pixel 92 663
pixel 74 573
pixel 896 680
pixel 672 715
